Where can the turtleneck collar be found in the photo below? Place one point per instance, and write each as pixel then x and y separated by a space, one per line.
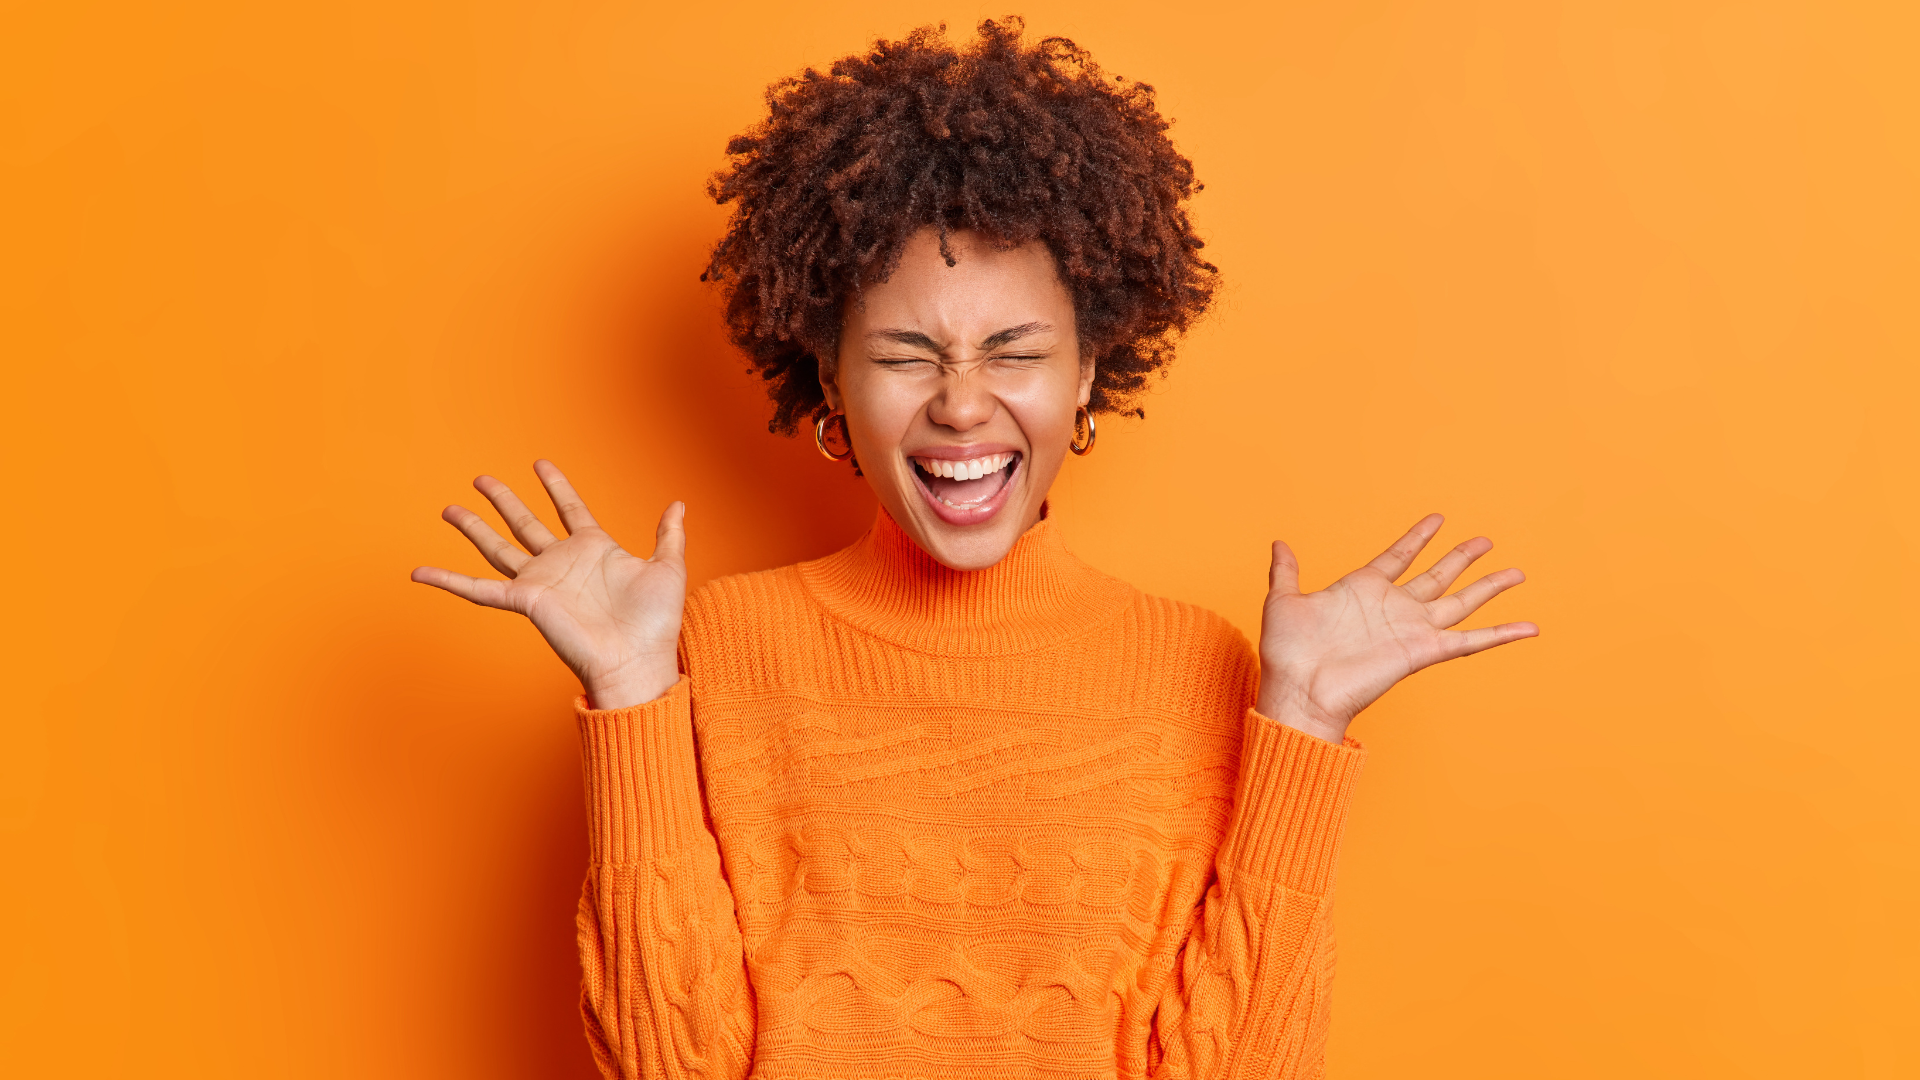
pixel 1039 595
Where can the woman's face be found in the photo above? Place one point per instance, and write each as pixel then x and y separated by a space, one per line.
pixel 960 385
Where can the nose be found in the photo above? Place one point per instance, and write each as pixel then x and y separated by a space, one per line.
pixel 964 401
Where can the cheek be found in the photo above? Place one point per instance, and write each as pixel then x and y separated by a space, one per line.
pixel 1045 407
pixel 1045 427
pixel 880 411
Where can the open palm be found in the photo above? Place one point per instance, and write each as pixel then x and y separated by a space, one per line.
pixel 1326 655
pixel 611 616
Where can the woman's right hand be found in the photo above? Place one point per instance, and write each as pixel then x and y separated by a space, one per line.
pixel 613 617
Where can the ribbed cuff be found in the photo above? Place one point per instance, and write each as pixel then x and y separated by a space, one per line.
pixel 643 785
pixel 1291 805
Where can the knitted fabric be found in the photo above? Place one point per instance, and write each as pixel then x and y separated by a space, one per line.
pixel 902 821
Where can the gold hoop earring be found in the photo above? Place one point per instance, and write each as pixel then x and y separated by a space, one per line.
pixel 820 437
pixel 1082 448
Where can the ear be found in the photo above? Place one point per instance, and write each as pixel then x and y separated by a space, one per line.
pixel 1086 379
pixel 830 383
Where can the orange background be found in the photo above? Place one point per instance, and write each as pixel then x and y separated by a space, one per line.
pixel 1629 287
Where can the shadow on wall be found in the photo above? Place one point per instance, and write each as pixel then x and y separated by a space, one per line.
pixel 755 499
pixel 440 834
pixel 478 761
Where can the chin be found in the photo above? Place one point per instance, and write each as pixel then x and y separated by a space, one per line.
pixel 974 549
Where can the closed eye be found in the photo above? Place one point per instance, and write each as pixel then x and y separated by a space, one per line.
pixel 909 361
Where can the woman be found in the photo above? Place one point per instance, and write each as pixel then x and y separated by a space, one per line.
pixel 950 802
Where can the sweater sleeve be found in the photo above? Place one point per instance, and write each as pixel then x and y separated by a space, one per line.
pixel 664 988
pixel 1250 990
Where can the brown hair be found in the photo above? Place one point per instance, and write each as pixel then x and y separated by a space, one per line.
pixel 1016 143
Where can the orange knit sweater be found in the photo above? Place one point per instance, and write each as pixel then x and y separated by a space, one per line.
pixel 901 821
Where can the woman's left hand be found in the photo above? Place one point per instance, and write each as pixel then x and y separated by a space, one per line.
pixel 1326 655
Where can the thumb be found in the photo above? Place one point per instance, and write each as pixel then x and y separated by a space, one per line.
pixel 1285 575
pixel 670 539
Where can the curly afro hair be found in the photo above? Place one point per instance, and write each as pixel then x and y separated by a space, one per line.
pixel 1015 143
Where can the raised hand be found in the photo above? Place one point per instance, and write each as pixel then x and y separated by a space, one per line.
pixel 613 617
pixel 1326 655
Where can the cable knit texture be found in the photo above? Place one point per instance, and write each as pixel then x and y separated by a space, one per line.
pixel 901 821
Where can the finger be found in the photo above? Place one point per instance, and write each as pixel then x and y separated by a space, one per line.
pixel 1439 577
pixel 529 530
pixel 1284 576
pixel 670 539
pixel 1394 561
pixel 1450 610
pixel 1487 637
pixel 573 510
pixel 486 592
pixel 502 555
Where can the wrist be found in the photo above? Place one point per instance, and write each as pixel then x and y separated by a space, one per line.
pixel 632 684
pixel 1284 702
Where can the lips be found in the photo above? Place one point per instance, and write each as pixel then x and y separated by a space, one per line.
pixel 965 491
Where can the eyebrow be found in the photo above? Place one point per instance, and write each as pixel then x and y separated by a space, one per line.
pixel 1013 333
pixel 914 339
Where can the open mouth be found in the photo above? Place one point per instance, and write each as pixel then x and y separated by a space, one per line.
pixel 969 491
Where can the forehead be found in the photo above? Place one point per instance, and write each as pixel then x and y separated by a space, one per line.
pixel 987 287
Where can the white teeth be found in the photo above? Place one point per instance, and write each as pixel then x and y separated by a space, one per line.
pixel 971 469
